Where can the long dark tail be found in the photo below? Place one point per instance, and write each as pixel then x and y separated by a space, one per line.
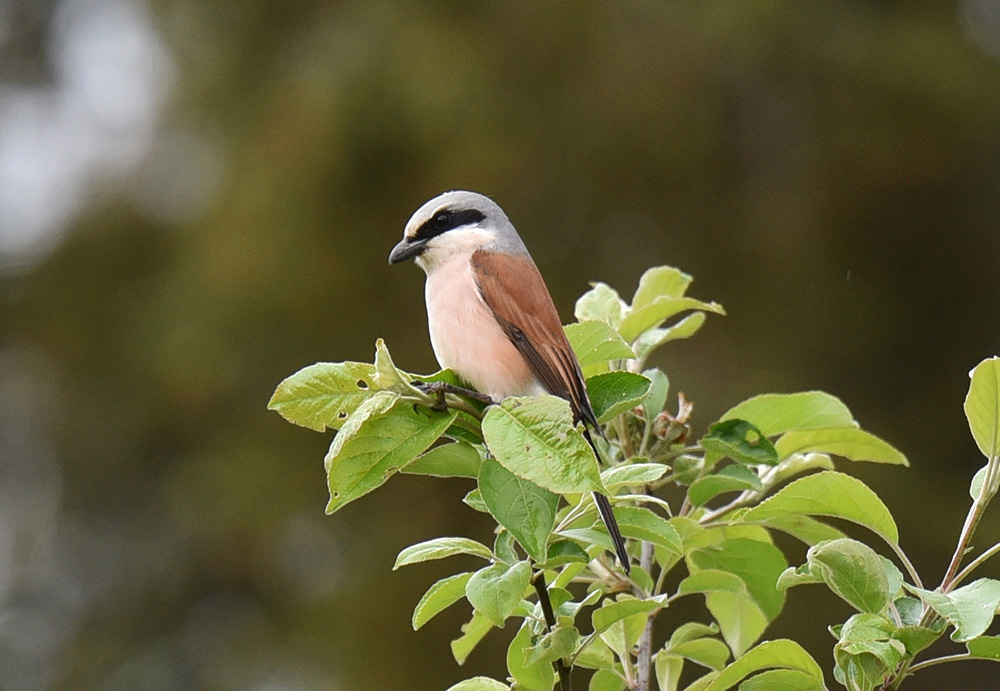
pixel 607 515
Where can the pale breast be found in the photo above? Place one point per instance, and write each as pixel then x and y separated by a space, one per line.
pixel 466 337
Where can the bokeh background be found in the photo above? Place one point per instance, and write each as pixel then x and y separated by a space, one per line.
pixel 198 198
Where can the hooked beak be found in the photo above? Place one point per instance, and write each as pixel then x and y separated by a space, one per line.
pixel 407 249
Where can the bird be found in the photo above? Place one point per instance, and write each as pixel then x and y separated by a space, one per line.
pixel 490 316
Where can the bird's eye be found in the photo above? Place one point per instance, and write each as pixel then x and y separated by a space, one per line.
pixel 443 220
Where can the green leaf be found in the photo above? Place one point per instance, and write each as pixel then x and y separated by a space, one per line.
pixel 757 563
pixel 707 652
pixel 730 479
pixel 659 310
pixel 643 524
pixel 596 341
pixel 474 500
pixel 660 282
pixel 565 552
pixel 479 684
pixel 457 459
pixel 853 571
pixel 668 670
pixel 603 617
pixel 560 642
pixel 782 680
pixel 612 393
pixel 520 506
pixel 623 634
pixel 534 438
pixel 970 609
pixel 779 654
pixel 657 396
pixel 472 633
pixel 916 638
pixel 829 494
pixel 742 616
pixel 740 441
pixel 987 647
pixel 439 597
pixel 690 631
pixel 535 677
pixel 802 575
pixel 606 680
pixel 388 377
pixel 323 395
pixel 867 652
pixel 439 548
pixel 633 474
pixel 384 434
pixel 804 528
pixel 650 340
pixel 775 413
pixel 496 590
pixel 600 303
pixel 982 406
pixel 713 581
pixel 848 442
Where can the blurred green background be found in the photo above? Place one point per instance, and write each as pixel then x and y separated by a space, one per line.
pixel 198 198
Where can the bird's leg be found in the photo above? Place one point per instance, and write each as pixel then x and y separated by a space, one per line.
pixel 440 388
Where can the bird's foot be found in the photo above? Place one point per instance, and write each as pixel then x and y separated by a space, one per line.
pixel 439 388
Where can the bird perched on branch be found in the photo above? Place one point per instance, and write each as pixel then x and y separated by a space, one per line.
pixel 490 315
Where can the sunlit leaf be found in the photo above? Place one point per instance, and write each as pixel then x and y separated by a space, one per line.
pixel 439 548
pixel 853 571
pixel 324 395
pixel 473 632
pixel 780 654
pixel 604 617
pixel 479 684
pixel 660 282
pixel 848 442
pixel 970 609
pixel 643 524
pixel 534 438
pixel 496 590
pixel 729 479
pixel 829 494
pixel 535 677
pixel 982 406
pixel 659 310
pixel 439 597
pixel 383 435
pixel 600 303
pixel 595 341
pixel 633 474
pixel 776 413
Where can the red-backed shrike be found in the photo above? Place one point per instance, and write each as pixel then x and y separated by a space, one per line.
pixel 490 315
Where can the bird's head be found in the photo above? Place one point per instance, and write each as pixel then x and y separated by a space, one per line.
pixel 453 223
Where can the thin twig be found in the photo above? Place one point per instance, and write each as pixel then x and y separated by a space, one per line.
pixel 644 659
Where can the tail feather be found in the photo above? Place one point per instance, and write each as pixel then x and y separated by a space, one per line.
pixel 608 516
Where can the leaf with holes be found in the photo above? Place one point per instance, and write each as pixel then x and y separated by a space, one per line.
pixel 323 395
pixel 383 435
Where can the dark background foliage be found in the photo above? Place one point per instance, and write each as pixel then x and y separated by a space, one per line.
pixel 198 198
